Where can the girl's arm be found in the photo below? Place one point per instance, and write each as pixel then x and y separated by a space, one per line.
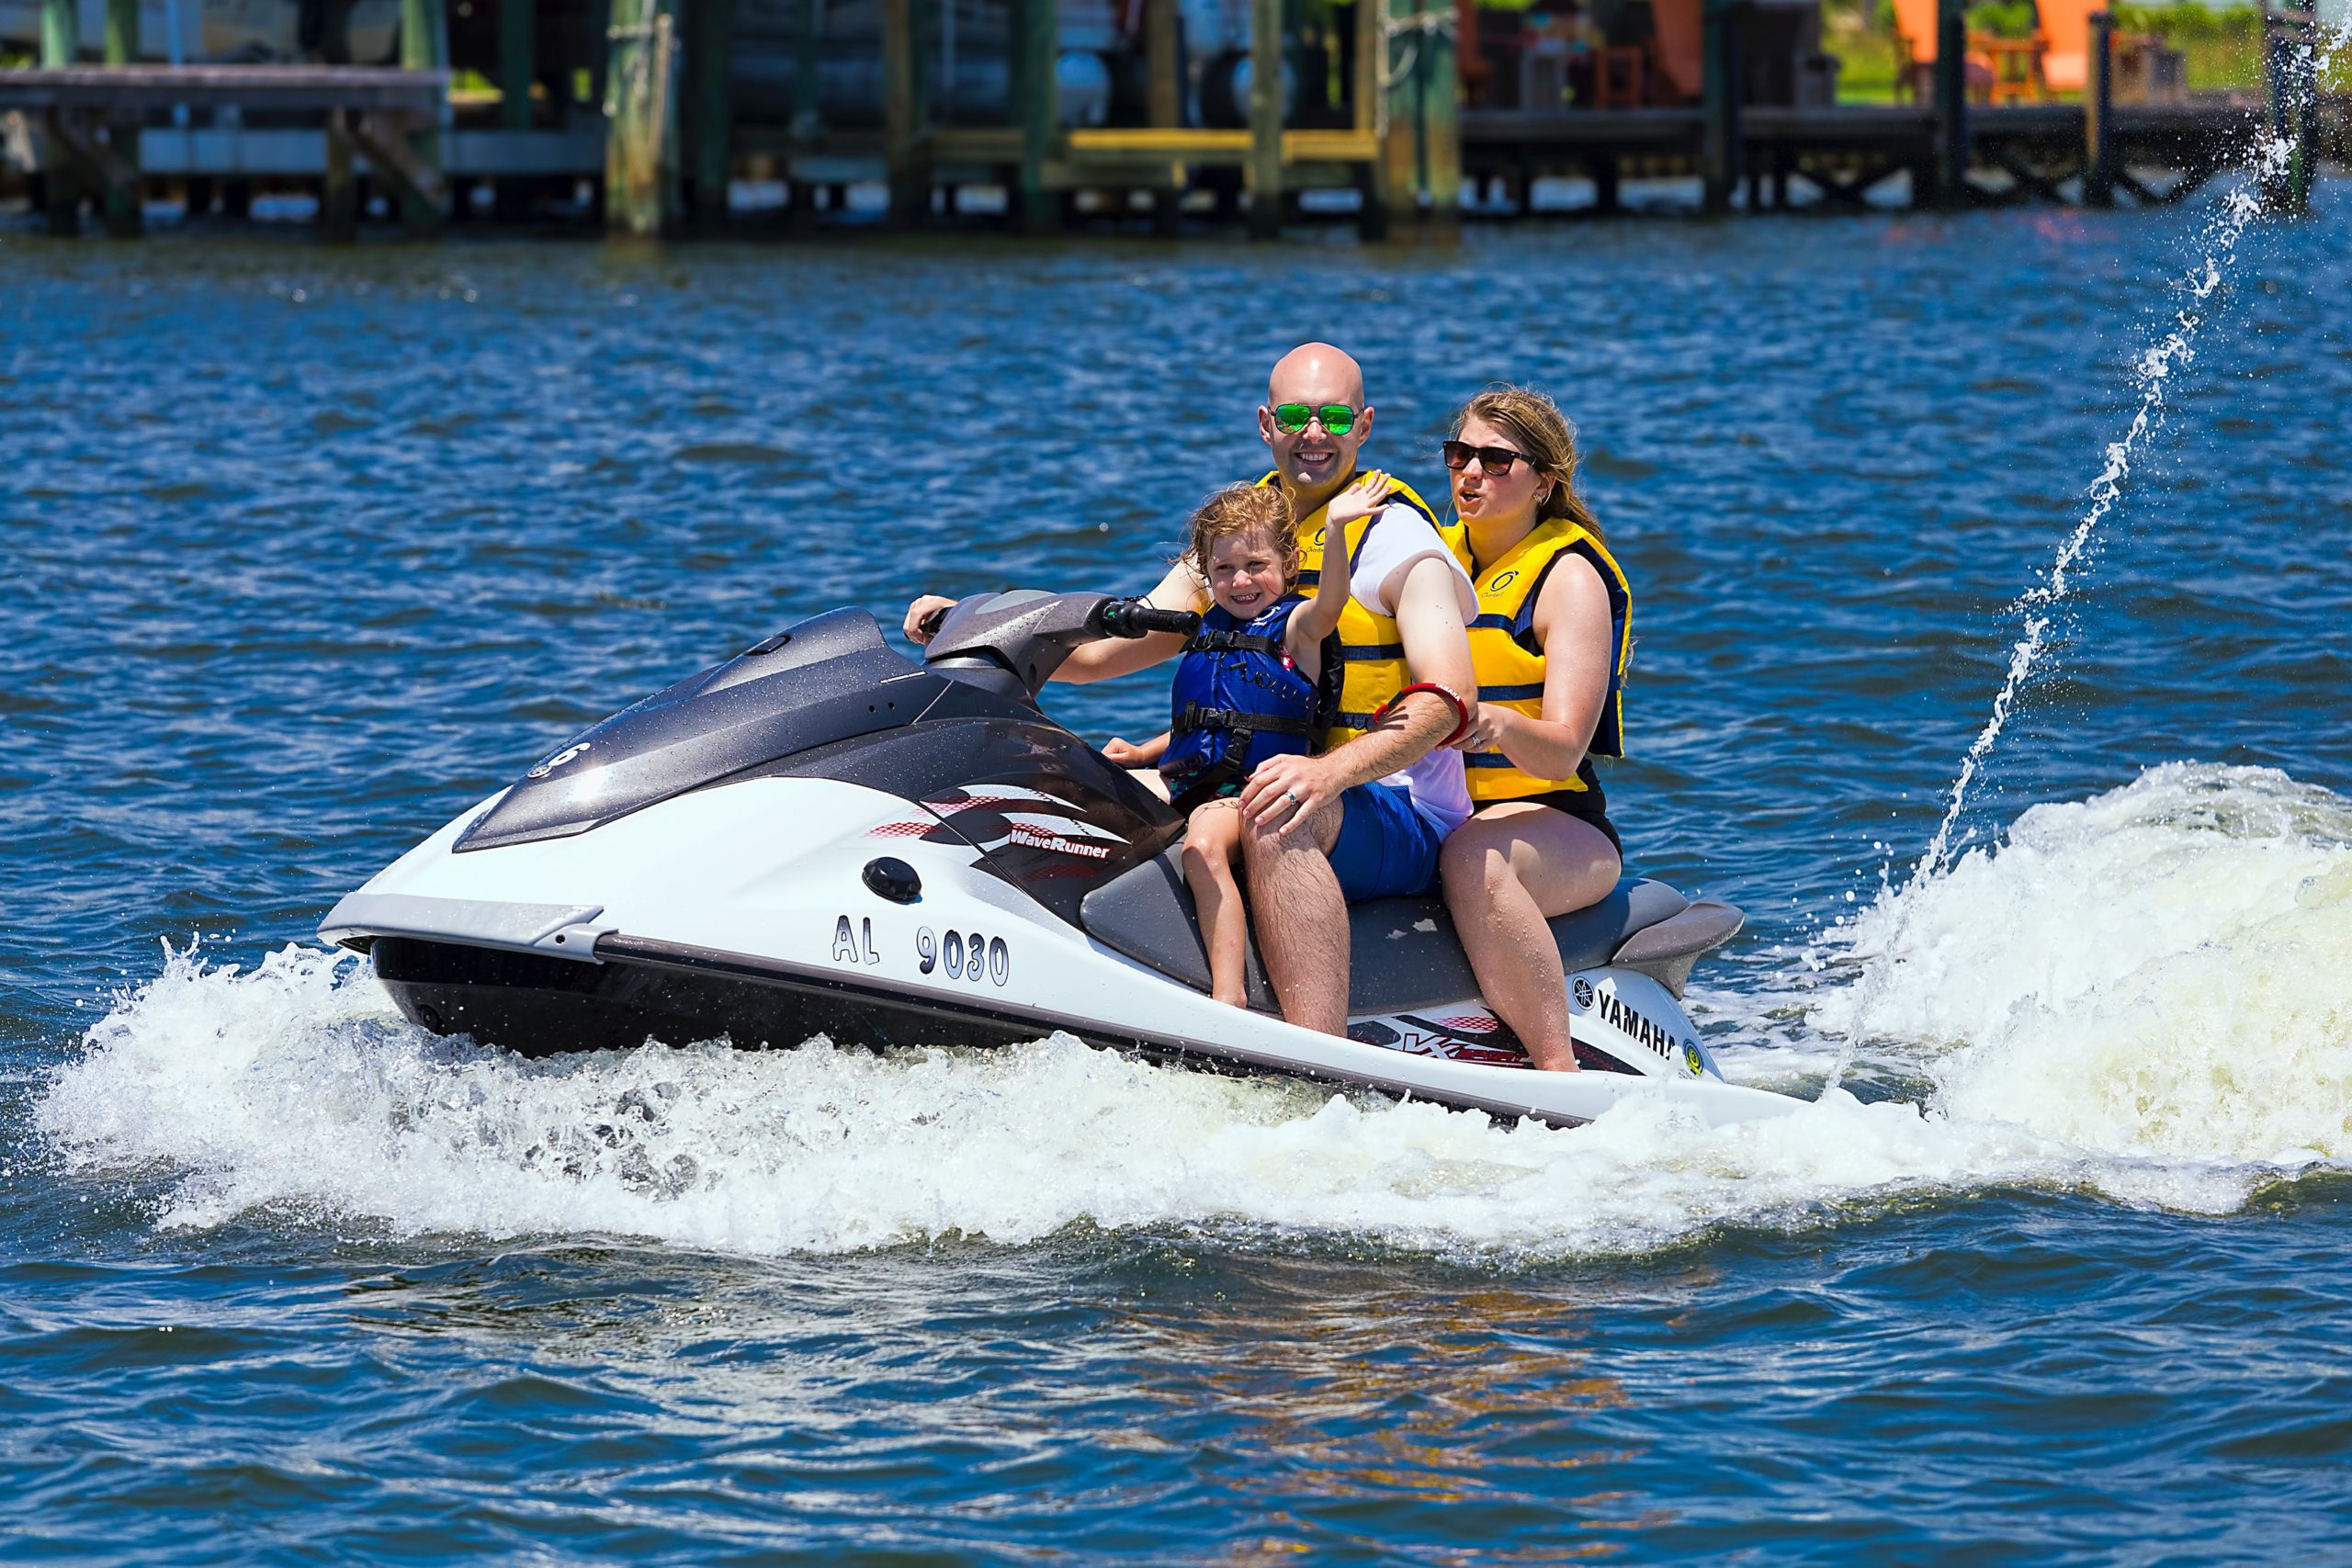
pixel 1129 754
pixel 1319 616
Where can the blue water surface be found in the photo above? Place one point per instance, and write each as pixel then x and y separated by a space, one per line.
pixel 310 549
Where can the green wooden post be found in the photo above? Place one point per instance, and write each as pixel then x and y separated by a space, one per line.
pixel 61 35
pixel 1441 116
pixel 641 120
pixel 1265 118
pixel 710 59
pixel 910 183
pixel 61 47
pixel 1037 34
pixel 424 46
pixel 2303 121
pixel 123 214
pixel 517 60
pixel 1400 141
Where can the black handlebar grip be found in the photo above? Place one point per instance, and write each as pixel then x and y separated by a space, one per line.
pixel 930 623
pixel 1133 617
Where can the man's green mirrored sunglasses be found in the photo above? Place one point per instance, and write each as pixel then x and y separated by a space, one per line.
pixel 1291 418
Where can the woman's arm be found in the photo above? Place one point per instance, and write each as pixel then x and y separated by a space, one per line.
pixel 1572 622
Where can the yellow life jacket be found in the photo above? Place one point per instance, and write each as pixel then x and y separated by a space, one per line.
pixel 1509 658
pixel 1371 651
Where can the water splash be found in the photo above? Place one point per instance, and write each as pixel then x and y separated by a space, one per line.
pixel 2151 374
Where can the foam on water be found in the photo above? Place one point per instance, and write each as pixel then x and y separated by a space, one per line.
pixel 2148 993
pixel 2162 971
pixel 295 1086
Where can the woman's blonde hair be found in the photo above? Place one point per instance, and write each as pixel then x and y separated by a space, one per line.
pixel 1242 509
pixel 1543 433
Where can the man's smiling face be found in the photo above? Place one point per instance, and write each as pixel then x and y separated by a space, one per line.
pixel 1314 462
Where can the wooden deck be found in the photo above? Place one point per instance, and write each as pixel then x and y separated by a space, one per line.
pixel 2013 150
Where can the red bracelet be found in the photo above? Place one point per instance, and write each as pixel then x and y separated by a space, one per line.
pixel 1461 708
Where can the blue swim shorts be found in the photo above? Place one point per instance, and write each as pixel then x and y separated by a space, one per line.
pixel 1386 849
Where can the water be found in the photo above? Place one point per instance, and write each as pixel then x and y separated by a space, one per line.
pixel 312 549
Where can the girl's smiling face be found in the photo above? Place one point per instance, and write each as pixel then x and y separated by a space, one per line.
pixel 1248 575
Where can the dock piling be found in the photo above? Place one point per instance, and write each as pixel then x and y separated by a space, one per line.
pixel 1163 97
pixel 1952 104
pixel 1036 30
pixel 1265 118
pixel 2098 114
pixel 906 168
pixel 1719 155
pixel 61 48
pixel 339 199
pixel 2294 100
pixel 641 108
pixel 424 46
pixel 125 199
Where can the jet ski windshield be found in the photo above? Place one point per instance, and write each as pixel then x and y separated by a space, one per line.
pixel 826 678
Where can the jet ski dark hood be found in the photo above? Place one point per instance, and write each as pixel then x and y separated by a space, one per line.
pixel 826 678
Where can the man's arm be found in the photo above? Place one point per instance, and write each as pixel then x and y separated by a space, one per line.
pixel 1180 589
pixel 1437 650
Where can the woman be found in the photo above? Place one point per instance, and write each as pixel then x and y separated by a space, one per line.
pixel 1550 645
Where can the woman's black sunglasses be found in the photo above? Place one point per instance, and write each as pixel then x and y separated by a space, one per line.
pixel 1495 460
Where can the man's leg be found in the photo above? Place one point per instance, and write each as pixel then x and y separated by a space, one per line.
pixel 1505 871
pixel 1302 921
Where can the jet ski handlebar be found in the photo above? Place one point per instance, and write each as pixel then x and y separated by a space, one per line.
pixel 1138 617
pixel 1014 641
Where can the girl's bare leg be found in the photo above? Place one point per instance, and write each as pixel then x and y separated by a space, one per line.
pixel 1505 871
pixel 1212 839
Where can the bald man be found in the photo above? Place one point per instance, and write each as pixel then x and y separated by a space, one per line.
pixel 1366 815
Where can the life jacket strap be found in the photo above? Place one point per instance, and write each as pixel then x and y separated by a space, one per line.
pixel 1235 642
pixel 1196 717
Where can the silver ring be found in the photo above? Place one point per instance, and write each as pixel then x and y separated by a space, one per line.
pixel 1291 796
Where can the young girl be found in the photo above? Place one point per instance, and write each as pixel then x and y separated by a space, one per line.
pixel 1251 685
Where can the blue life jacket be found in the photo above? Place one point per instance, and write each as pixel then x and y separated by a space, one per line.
pixel 1237 699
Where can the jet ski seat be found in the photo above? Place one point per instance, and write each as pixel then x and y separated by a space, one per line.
pixel 1405 955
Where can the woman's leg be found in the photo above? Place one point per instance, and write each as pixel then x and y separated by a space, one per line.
pixel 1212 840
pixel 1505 871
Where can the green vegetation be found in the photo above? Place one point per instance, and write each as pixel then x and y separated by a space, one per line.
pixel 2222 43
pixel 2223 47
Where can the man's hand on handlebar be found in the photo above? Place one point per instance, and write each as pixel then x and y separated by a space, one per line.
pixel 924 617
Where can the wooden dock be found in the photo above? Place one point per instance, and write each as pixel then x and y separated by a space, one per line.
pixel 654 115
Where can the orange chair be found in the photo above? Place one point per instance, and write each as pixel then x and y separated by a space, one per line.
pixel 1915 55
pixel 2066 40
pixel 2015 65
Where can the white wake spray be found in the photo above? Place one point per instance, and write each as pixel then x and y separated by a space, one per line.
pixel 2151 377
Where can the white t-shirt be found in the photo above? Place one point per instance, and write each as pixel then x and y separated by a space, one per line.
pixel 1398 537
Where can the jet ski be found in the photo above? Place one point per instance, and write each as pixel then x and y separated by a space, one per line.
pixel 822 837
